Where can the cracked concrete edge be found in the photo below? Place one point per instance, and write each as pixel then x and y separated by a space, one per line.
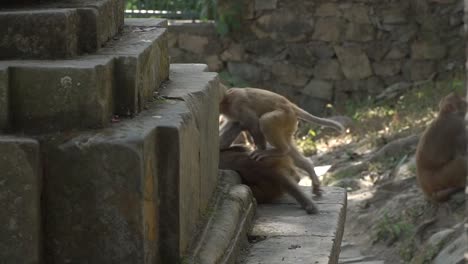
pixel 225 230
pixel 336 249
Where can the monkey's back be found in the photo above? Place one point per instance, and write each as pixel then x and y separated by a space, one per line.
pixel 439 143
pixel 259 100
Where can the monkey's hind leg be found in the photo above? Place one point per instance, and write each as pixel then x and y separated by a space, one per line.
pixel 292 188
pixel 449 180
pixel 307 165
pixel 444 195
pixel 278 128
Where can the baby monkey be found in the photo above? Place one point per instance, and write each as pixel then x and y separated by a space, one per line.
pixel 441 160
pixel 268 178
pixel 268 117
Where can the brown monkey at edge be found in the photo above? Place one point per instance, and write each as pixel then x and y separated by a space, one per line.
pixel 268 117
pixel 441 160
pixel 268 178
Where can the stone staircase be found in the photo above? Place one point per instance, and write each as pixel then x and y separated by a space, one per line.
pixel 109 153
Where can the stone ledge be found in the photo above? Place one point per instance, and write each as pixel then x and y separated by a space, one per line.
pixel 142 63
pixel 60 95
pixel 20 197
pixel 85 92
pixel 4 99
pixel 131 193
pixel 292 236
pixel 58 29
pixel 226 227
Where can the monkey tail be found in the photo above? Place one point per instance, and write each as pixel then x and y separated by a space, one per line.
pixel 305 116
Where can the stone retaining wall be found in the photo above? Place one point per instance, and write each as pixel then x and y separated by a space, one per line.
pixel 316 52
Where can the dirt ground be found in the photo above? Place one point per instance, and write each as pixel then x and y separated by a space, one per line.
pixel 388 218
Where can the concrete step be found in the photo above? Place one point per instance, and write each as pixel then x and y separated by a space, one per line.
pixel 20 195
pixel 58 29
pixel 226 225
pixel 85 92
pixel 134 192
pixel 283 233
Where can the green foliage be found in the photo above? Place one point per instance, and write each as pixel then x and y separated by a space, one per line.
pixel 228 19
pixel 307 143
pixel 232 81
pixel 426 257
pixel 392 229
pixel 412 110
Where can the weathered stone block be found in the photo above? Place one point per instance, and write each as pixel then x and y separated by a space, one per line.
pixel 394 15
pixel 60 95
pixel 404 33
pixel 193 43
pixel 328 70
pixel 328 29
pixel 321 50
pixel 235 52
pixel 422 50
pixel 295 54
pixel 100 21
pixel 397 53
pixel 245 71
pixel 290 74
pixel 376 50
pixel 39 33
pixel 140 66
pixel 265 5
pixel 357 13
pixel 134 192
pixel 354 62
pixel 20 197
pixel 4 98
pixel 328 10
pixel 319 89
pixel 215 64
pixel 417 70
pixel 387 68
pixel 200 90
pixel 59 29
pixel 359 32
pixel 286 26
pixel 101 196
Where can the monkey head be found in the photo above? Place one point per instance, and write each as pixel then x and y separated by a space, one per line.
pixel 453 103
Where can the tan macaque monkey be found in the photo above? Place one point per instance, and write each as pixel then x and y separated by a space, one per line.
pixel 268 117
pixel 268 178
pixel 441 160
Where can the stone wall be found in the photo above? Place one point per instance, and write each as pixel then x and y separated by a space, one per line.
pixel 316 52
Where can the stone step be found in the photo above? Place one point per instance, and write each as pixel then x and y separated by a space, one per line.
pixel 141 62
pixel 286 234
pixel 58 29
pixel 4 98
pixel 135 191
pixel 227 223
pixel 85 92
pixel 20 195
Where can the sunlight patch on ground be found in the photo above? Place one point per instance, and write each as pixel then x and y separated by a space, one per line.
pixel 319 170
pixel 359 196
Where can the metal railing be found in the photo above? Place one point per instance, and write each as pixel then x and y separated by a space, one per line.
pixel 171 9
